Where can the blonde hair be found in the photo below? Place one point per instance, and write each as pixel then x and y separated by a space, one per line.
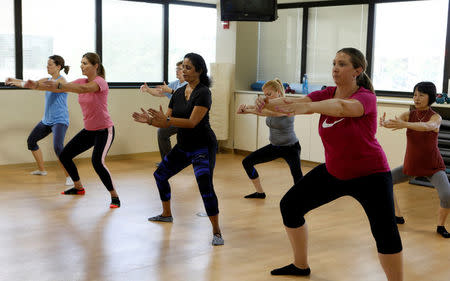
pixel 276 85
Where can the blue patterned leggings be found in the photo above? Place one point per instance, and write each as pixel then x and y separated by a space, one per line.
pixel 203 161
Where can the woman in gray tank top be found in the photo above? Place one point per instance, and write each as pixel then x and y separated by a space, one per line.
pixel 283 141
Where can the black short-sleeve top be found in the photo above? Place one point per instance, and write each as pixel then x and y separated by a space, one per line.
pixel 190 139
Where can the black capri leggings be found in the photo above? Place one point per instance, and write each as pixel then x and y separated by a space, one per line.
pixel 101 140
pixel 374 192
pixel 290 153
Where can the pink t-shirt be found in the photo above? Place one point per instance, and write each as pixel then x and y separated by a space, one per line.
pixel 95 105
pixel 351 149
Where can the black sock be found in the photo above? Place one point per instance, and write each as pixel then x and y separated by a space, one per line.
pixel 258 195
pixel 399 220
pixel 291 270
pixel 442 231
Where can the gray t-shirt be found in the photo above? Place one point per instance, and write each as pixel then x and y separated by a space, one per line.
pixel 281 130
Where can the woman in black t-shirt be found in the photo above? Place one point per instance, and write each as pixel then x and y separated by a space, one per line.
pixel 196 142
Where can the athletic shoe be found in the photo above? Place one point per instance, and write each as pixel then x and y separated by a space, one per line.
pixel 74 191
pixel 161 218
pixel 217 240
pixel 39 173
pixel 69 181
pixel 115 203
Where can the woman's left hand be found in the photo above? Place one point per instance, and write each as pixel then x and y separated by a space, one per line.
pixel 159 118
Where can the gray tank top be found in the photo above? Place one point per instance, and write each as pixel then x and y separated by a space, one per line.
pixel 281 130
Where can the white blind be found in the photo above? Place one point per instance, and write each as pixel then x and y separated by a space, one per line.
pixel 329 30
pixel 69 35
pixel 279 47
pixel 7 44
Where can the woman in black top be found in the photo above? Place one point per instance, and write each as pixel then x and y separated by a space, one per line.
pixel 196 142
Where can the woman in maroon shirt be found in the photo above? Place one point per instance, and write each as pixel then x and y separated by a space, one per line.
pixel 422 156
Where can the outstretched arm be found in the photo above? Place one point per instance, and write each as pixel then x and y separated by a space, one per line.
pixel 402 123
pixel 156 92
pixel 19 83
pixel 270 104
pixel 59 87
pixel 251 109
pixel 331 107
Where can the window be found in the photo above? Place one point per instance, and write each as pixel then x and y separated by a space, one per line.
pixel 7 41
pixel 329 30
pixel 132 41
pixel 191 29
pixel 280 47
pixel 49 29
pixel 409 44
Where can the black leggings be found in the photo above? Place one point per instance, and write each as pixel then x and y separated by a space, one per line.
pixel 291 154
pixel 101 140
pixel 374 192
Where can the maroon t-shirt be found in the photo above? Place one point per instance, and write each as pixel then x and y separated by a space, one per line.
pixel 422 156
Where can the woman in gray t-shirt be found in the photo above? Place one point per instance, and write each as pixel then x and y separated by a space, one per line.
pixel 283 141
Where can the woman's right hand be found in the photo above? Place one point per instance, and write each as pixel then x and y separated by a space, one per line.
pixel 144 88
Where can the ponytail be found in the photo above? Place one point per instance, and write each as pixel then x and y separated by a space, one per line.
pixel 363 80
pixel 66 69
pixel 101 71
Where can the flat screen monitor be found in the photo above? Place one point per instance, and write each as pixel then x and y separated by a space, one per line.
pixel 248 10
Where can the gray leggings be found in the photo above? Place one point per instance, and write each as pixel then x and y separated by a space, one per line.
pixel 439 180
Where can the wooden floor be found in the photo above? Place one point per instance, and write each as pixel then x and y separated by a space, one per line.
pixel 48 236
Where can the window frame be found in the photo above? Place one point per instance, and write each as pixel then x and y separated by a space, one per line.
pixel 99 41
pixel 370 37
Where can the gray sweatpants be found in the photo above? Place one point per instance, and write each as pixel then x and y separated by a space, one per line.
pixel 439 180
pixel 164 144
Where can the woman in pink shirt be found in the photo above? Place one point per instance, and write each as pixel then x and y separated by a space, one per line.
pixel 98 129
pixel 355 164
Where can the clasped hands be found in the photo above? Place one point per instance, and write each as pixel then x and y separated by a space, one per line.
pixel 152 117
pixel 281 105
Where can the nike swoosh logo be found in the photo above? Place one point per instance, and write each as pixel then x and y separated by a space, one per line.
pixel 329 125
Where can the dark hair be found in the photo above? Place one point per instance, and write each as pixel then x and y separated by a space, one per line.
pixel 94 59
pixel 200 66
pixel 60 61
pixel 179 63
pixel 427 88
pixel 358 60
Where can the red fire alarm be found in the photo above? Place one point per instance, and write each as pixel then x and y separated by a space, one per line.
pixel 226 24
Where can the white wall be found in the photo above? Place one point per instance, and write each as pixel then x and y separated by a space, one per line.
pixel 23 109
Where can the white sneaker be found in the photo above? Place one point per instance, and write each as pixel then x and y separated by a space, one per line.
pixel 39 173
pixel 69 181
